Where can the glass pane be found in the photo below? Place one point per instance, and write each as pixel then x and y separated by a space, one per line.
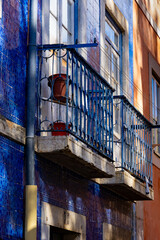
pixel 156 101
pixel 70 17
pixel 108 59
pixel 153 103
pixel 53 29
pixel 114 67
pixel 65 13
pixel 155 112
pixel 53 7
pixel 116 39
pixel 64 35
pixel 111 33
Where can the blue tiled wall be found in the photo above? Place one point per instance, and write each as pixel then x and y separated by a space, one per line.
pixel 60 187
pixel 13 52
pixel 11 189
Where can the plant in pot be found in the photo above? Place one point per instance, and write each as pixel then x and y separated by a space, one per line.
pixel 59 128
pixel 57 83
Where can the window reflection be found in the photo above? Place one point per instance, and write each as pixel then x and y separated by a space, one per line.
pixel 112 34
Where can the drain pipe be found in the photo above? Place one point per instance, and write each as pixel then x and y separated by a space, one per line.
pixel 31 188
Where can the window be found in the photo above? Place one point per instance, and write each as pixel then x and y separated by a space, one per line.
pixel 61 27
pixel 61 21
pixel 112 44
pixel 156 110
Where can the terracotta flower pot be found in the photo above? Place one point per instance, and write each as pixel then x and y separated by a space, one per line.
pixel 59 86
pixel 61 129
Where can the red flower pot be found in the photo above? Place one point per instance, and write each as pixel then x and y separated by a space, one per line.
pixel 59 86
pixel 60 128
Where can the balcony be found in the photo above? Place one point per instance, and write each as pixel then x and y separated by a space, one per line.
pixel 74 114
pixel 132 153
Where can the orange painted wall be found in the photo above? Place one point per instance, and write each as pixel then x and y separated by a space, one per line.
pixel 145 40
pixel 152 210
pixel 153 7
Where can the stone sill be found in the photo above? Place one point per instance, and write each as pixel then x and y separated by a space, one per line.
pixel 12 130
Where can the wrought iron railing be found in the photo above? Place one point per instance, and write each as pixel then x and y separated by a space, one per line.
pixel 74 99
pixel 135 141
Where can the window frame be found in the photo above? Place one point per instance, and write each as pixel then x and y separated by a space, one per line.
pixel 116 30
pixel 115 81
pixel 54 216
pixel 156 114
pixel 121 22
pixel 59 22
pixel 154 71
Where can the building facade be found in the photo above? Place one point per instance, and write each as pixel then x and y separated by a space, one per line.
pixel 79 117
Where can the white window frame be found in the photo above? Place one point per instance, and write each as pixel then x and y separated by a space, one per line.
pixel 112 50
pixel 122 24
pixel 60 25
pixel 111 25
